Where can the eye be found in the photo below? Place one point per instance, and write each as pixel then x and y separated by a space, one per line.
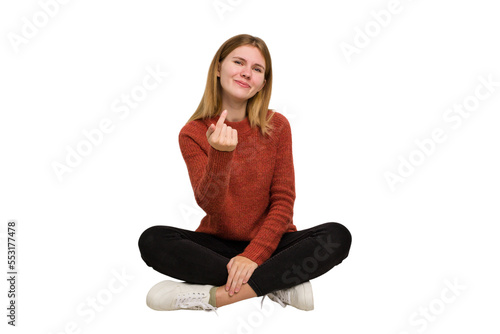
pixel 258 69
pixel 237 62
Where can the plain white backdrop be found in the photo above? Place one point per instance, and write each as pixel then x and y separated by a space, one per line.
pixel 361 83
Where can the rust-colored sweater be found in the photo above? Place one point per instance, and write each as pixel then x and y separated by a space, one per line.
pixel 247 194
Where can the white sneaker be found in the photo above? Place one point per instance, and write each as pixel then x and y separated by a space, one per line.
pixel 169 296
pixel 299 296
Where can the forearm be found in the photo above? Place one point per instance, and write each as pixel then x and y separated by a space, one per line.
pixel 211 189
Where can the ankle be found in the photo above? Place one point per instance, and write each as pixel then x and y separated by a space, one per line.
pixel 213 299
pixel 219 294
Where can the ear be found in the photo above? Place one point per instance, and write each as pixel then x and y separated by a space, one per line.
pixel 263 84
pixel 218 69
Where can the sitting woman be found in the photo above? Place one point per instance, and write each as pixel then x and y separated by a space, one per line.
pixel 239 160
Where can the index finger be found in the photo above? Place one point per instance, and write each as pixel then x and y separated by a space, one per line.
pixel 230 278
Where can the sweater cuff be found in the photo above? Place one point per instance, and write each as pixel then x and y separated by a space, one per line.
pixel 257 254
pixel 219 160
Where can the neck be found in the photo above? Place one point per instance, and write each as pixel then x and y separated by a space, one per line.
pixel 236 111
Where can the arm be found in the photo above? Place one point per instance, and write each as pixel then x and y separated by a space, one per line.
pixel 209 171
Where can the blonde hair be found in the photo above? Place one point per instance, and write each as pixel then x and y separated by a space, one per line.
pixel 257 106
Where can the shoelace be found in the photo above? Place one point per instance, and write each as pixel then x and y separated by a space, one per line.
pixel 277 296
pixel 194 301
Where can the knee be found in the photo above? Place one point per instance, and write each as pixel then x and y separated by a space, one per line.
pixel 153 236
pixel 343 232
pixel 158 235
pixel 148 238
pixel 340 234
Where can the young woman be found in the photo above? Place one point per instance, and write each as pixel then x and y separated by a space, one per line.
pixel 239 159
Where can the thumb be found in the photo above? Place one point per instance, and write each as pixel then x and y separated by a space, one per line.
pixel 210 130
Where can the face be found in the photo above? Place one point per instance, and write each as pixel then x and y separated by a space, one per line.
pixel 242 73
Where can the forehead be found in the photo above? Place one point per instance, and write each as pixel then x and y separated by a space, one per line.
pixel 250 53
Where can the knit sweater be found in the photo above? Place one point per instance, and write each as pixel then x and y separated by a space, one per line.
pixel 248 193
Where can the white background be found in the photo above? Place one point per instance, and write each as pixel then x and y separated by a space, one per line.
pixel 350 120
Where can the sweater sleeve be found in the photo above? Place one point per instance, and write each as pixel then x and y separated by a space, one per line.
pixel 208 172
pixel 282 198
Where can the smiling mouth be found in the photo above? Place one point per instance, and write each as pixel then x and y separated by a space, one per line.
pixel 242 84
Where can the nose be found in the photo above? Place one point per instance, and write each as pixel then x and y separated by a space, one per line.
pixel 246 72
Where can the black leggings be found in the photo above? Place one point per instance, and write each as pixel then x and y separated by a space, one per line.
pixel 201 258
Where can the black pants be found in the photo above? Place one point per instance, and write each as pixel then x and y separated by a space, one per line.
pixel 201 258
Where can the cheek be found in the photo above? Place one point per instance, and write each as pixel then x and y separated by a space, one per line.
pixel 260 83
pixel 228 71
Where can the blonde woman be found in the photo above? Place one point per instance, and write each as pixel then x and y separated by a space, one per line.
pixel 238 155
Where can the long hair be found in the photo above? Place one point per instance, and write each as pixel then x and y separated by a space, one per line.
pixel 257 106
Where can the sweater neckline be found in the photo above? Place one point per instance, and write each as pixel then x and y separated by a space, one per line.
pixel 242 126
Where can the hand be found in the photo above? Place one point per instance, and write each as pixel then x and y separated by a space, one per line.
pixel 221 136
pixel 240 269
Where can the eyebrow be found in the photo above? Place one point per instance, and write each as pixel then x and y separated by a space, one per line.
pixel 246 60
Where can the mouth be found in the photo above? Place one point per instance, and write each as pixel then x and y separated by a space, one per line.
pixel 242 84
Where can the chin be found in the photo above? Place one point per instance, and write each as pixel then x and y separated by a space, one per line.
pixel 241 97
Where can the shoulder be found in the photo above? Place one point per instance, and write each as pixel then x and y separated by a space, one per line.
pixel 194 128
pixel 281 125
pixel 193 135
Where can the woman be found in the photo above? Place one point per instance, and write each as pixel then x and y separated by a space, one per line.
pixel 239 159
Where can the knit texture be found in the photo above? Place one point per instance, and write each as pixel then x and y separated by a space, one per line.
pixel 247 194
